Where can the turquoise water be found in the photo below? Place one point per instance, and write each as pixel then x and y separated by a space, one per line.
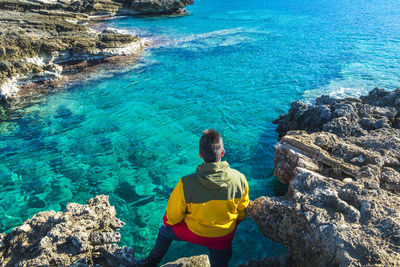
pixel 132 132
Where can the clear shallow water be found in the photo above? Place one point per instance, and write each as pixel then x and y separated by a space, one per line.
pixel 231 65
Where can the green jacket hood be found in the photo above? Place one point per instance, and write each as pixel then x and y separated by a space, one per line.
pixel 213 175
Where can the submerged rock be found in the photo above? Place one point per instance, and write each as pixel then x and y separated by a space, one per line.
pixel 341 160
pixel 284 260
pixel 84 235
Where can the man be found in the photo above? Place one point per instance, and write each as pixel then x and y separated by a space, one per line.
pixel 205 207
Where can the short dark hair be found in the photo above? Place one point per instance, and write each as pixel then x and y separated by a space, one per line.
pixel 211 146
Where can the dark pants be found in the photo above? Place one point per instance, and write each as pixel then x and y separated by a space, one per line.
pixel 218 257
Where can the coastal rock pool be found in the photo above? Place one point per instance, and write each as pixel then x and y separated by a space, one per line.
pixel 131 133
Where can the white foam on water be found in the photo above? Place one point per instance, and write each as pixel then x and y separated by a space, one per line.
pixel 9 88
pixel 336 90
pixel 357 79
pixel 339 92
pixel 191 42
pixel 226 37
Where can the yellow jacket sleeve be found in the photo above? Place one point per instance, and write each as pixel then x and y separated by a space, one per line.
pixel 243 203
pixel 176 207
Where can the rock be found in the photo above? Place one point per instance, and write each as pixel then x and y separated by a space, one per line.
pixel 42 41
pixel 81 236
pixel 343 170
pixel 38 46
pixel 160 6
pixel 284 260
pixel 194 261
pixel 343 117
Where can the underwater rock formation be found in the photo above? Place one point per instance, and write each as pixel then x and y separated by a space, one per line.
pixel 84 235
pixel 284 260
pixel 41 41
pixel 340 158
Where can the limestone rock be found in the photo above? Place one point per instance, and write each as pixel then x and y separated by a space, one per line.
pixel 194 261
pixel 160 6
pixel 344 117
pixel 41 41
pixel 84 235
pixel 340 158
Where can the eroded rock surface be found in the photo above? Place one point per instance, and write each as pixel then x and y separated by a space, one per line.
pixel 84 235
pixel 341 160
pixel 161 6
pixel 194 261
pixel 41 41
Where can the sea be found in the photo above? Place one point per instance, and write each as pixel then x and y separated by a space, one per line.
pixel 132 131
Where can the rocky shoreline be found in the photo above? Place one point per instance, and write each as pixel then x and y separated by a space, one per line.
pixel 83 235
pixel 44 41
pixel 340 158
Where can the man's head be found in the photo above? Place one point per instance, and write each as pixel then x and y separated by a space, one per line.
pixel 211 146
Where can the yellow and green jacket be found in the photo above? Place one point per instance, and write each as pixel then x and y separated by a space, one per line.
pixel 205 206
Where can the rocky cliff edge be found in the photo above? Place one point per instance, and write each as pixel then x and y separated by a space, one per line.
pixel 340 158
pixel 83 235
pixel 43 41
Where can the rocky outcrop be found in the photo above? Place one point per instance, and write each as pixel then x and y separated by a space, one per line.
pixel 341 160
pixel 98 7
pixel 161 6
pixel 84 235
pixel 37 49
pixel 42 41
pixel 194 261
pixel 344 117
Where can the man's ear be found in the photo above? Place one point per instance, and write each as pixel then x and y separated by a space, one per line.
pixel 223 152
pixel 200 155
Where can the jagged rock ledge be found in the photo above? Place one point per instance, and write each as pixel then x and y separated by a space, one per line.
pixel 84 235
pixel 81 236
pixel 42 41
pixel 340 158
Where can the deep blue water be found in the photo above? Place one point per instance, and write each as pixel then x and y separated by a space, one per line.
pixel 232 65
